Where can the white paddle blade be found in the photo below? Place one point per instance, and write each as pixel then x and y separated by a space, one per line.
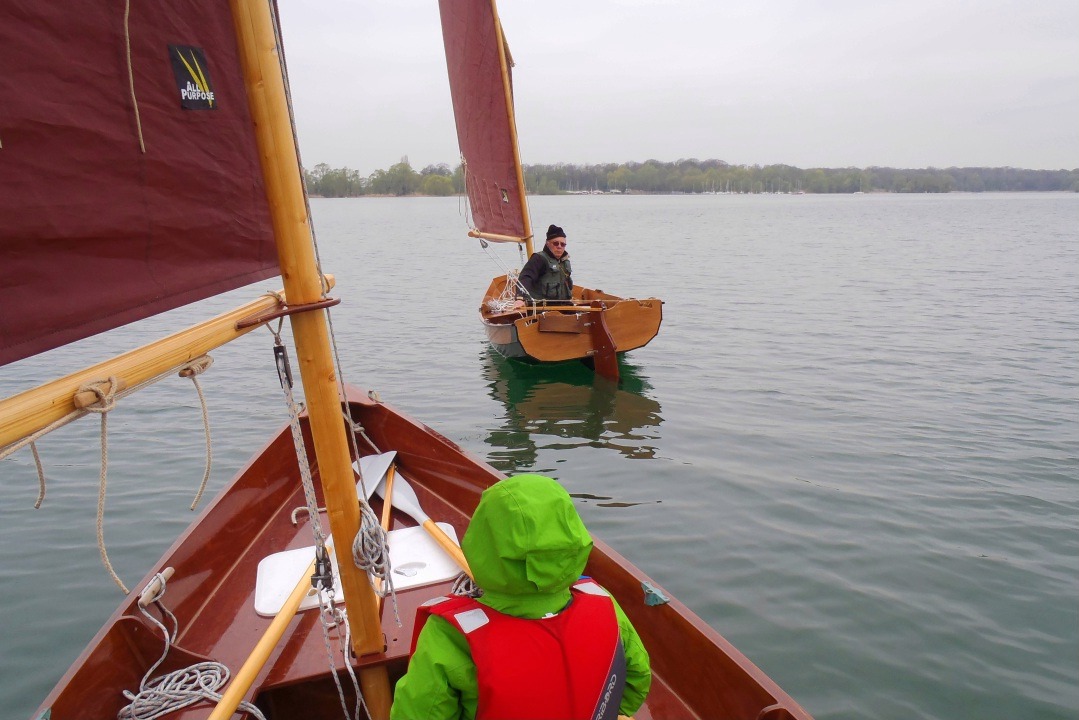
pixel 373 468
pixel 404 499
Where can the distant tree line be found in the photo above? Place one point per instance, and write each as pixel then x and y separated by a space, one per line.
pixel 693 176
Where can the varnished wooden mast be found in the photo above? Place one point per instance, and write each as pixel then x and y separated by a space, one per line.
pixel 511 118
pixel 267 97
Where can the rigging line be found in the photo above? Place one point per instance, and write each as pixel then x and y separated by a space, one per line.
pixel 296 140
pixel 131 74
pixel 118 394
pixel 371 554
pixel 40 476
pixel 310 219
pixel 312 504
pixel 193 370
pixel 106 401
pixel 329 617
pixel 512 276
pixel 284 374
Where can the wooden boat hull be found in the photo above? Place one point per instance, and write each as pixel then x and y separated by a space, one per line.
pixel 698 674
pixel 551 334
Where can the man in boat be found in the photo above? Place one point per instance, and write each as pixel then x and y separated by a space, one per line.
pixel 547 274
pixel 542 641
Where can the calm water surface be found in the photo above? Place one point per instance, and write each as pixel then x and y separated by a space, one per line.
pixel 853 448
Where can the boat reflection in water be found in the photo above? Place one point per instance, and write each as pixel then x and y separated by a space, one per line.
pixel 565 405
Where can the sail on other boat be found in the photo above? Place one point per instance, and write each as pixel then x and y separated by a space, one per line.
pixel 126 134
pixel 593 325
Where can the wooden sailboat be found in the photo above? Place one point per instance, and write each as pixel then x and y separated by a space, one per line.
pixel 594 326
pixel 200 609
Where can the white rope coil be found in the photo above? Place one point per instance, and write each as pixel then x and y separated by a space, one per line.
pixel 179 688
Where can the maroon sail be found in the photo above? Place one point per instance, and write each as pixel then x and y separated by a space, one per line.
pixel 95 231
pixel 484 118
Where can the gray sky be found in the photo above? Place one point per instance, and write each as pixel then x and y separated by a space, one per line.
pixel 813 83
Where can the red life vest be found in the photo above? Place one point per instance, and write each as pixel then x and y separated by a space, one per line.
pixel 568 666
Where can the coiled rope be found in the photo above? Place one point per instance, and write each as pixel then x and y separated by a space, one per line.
pixel 464 585
pixel 370 554
pixel 179 688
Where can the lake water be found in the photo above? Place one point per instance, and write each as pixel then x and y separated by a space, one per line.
pixel 853 448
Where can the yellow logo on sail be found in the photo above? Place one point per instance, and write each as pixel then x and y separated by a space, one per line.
pixel 192 75
pixel 198 87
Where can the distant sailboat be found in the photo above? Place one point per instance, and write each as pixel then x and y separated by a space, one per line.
pixel 594 326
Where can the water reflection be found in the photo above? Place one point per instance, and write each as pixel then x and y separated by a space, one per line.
pixel 566 405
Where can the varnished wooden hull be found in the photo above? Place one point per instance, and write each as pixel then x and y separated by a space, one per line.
pixel 553 334
pixel 698 674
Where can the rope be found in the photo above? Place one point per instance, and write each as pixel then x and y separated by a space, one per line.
pixel 40 476
pixel 507 299
pixel 284 374
pixel 131 74
pixel 371 555
pixel 193 370
pixel 106 401
pixel 330 616
pixel 71 417
pixel 301 453
pixel 512 279
pixel 464 585
pixel 180 688
pixel 108 393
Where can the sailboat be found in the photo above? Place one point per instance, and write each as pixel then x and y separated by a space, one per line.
pixel 148 159
pixel 593 325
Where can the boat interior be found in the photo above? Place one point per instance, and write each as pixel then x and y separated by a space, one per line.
pixel 213 597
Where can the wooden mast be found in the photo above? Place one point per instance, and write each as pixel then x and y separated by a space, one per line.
pixel 511 118
pixel 260 56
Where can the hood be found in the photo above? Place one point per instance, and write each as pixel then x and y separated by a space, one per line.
pixel 526 545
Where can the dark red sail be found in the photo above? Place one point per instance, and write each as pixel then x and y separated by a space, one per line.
pixel 95 232
pixel 484 117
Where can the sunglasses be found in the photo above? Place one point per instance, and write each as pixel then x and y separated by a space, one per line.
pixel 558 244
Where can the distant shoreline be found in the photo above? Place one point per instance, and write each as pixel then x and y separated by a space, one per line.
pixel 693 177
pixel 641 193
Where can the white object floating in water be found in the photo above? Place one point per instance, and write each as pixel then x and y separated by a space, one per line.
pixel 415 557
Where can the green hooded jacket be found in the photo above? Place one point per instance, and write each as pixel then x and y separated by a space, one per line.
pixel 526 546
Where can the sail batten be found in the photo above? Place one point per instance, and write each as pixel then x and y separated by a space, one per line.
pixel 97 233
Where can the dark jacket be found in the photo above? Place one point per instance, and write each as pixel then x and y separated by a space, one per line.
pixel 546 277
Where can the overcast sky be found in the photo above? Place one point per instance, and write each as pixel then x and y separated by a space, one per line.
pixel 810 83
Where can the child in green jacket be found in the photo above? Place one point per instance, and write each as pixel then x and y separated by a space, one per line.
pixel 526 546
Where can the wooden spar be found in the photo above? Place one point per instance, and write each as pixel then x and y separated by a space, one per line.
pixel 24 414
pixel 512 120
pixel 267 97
pixel 494 237
pixel 245 676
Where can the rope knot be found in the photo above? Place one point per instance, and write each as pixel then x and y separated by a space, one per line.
pixel 102 397
pixel 196 367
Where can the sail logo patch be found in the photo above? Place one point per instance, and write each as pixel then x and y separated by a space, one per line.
pixel 192 78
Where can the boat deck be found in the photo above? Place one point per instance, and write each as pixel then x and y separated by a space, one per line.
pixel 212 595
